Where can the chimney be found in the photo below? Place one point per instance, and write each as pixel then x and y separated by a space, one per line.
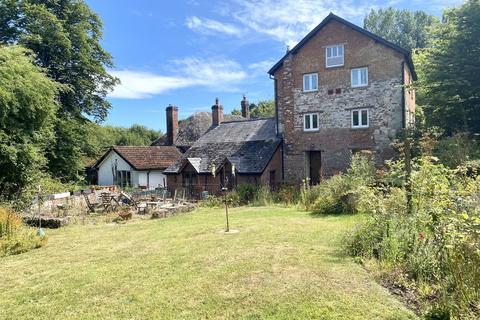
pixel 245 108
pixel 172 124
pixel 217 113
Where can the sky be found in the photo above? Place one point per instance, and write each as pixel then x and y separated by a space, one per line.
pixel 188 52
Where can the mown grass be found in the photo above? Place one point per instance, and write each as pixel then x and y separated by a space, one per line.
pixel 283 264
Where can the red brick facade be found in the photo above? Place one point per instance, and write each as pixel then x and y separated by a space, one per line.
pixel 390 106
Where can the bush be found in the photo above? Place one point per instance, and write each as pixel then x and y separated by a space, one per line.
pixel 233 200
pixel 437 245
pixel 456 150
pixel 10 222
pixel 286 194
pixel 14 236
pixel 245 194
pixel 339 194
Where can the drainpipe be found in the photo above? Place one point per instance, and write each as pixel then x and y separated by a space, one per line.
pixel 148 180
pixel 404 109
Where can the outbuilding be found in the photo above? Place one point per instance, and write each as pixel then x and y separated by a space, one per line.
pixel 136 166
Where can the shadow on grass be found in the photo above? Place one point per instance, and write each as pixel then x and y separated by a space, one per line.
pixel 315 214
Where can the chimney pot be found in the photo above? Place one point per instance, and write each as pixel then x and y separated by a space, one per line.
pixel 172 124
pixel 245 107
pixel 217 113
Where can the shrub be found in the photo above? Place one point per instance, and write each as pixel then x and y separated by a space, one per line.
pixel 10 222
pixel 437 245
pixel 456 150
pixel 244 194
pixel 233 200
pixel 14 236
pixel 286 194
pixel 247 193
pixel 340 193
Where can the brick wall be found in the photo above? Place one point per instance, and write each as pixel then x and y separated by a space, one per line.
pixel 335 138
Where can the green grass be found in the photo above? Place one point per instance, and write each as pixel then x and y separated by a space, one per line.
pixel 284 264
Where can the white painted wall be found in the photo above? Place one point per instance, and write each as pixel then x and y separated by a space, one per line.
pixel 139 178
pixel 153 179
pixel 105 175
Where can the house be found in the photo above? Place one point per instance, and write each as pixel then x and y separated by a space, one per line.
pixel 228 154
pixel 143 166
pixel 136 166
pixel 340 90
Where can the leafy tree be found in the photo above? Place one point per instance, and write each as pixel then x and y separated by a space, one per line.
pixel 103 137
pixel 407 29
pixel 449 81
pixel 236 112
pixel 65 36
pixel 264 109
pixel 27 117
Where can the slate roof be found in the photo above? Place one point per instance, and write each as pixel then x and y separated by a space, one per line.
pixel 249 144
pixel 367 33
pixel 192 128
pixel 145 157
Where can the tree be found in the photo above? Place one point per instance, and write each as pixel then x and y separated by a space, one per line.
pixel 448 71
pixel 407 29
pixel 103 137
pixel 65 36
pixel 264 109
pixel 27 118
pixel 236 112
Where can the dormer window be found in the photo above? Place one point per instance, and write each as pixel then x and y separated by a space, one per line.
pixel 334 56
pixel 310 82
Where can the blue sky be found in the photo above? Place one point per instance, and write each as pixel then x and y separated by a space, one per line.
pixel 189 52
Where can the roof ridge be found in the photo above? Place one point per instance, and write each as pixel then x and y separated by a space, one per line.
pixel 246 120
pixel 367 33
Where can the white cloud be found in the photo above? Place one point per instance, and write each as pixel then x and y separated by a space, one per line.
pixel 216 73
pixel 260 68
pixel 290 20
pixel 208 26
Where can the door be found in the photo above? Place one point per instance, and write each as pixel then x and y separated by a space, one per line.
pixel 315 162
pixel 272 181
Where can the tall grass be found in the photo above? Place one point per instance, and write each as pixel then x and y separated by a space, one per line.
pixel 436 247
pixel 15 237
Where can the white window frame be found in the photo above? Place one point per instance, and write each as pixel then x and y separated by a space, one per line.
pixel 359 77
pixel 360 125
pixel 310 121
pixel 308 78
pixel 336 56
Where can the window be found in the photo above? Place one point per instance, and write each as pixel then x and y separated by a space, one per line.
pixel 189 179
pixel 310 122
pixel 334 55
pixel 359 77
pixel 124 178
pixel 310 82
pixel 360 118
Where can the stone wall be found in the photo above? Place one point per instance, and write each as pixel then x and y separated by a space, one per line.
pixel 336 98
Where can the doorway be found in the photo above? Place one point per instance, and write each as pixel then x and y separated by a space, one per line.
pixel 315 166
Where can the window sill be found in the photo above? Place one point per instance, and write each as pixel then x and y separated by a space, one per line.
pixel 309 91
pixel 310 130
pixel 332 67
pixel 359 87
pixel 360 128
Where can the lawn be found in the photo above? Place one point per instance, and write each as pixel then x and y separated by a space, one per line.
pixel 283 264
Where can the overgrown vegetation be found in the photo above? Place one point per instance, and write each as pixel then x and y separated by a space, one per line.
pixel 255 195
pixel 339 194
pixel 15 237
